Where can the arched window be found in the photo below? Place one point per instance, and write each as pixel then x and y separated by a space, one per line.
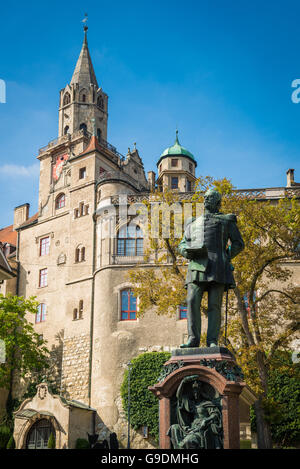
pixel 80 254
pixel 39 435
pixel 60 201
pixel 66 130
pixel 128 305
pixel 130 241
pixel 99 135
pixel 100 102
pixel 67 99
pixel 82 96
pixel 83 127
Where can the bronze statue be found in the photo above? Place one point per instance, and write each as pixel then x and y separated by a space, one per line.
pixel 199 419
pixel 205 244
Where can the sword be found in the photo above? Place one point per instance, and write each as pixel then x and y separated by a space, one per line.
pixel 226 313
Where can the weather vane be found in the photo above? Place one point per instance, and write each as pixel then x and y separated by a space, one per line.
pixel 85 20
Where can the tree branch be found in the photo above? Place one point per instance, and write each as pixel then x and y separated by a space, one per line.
pixel 292 329
pixel 274 291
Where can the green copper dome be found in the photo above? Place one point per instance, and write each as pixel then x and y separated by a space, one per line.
pixel 176 150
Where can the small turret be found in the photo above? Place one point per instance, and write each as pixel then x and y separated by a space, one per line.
pixel 176 168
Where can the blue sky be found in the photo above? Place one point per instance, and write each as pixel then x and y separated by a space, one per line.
pixel 221 71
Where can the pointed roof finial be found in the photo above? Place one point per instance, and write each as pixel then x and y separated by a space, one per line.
pixel 85 27
pixel 176 139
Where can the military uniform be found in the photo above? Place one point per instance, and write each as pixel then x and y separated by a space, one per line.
pixel 211 271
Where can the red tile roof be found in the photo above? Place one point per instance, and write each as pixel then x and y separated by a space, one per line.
pixel 8 235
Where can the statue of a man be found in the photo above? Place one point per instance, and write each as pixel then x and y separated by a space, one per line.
pixel 209 242
pixel 199 420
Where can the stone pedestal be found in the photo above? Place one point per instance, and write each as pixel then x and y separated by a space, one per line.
pixel 216 367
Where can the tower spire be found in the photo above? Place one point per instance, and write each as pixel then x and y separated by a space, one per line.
pixel 84 73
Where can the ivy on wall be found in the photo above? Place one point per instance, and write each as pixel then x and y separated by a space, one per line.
pixel 145 371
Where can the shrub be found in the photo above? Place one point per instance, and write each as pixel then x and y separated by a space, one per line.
pixel 145 371
pixel 51 442
pixel 11 443
pixel 81 443
pixel 5 434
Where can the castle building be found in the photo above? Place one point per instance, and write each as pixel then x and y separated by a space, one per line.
pixel 63 256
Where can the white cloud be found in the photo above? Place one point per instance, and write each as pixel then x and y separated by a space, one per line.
pixel 15 170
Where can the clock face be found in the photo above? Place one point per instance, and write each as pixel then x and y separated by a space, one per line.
pixel 57 168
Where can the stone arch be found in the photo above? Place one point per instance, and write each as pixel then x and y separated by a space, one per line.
pixel 24 432
pixel 207 375
pixel 83 95
pixel 66 98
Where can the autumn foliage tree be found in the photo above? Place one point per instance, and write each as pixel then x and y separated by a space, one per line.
pixel 263 313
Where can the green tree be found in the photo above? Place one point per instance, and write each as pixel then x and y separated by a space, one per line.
pixel 25 350
pixel 263 307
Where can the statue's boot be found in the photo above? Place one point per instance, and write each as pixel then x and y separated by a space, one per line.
pixel 191 343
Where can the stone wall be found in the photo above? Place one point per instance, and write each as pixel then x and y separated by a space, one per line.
pixel 75 367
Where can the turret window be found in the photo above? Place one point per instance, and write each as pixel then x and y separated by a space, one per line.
pixel 174 162
pixel 99 135
pixel 130 241
pixel 174 183
pixel 188 185
pixel 128 305
pixel 66 130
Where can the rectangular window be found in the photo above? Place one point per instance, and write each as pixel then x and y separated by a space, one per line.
pixel 82 173
pixel 128 305
pixel 41 313
pixel 81 209
pixel 174 183
pixel 189 185
pixel 182 312
pixel 43 278
pixel 174 162
pixel 44 246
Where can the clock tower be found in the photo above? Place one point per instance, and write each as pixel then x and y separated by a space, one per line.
pixel 82 99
